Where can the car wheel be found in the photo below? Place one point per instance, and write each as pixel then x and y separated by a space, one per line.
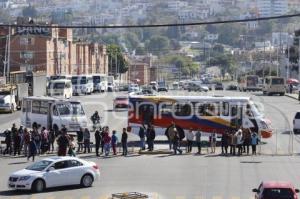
pixel 87 180
pixel 38 186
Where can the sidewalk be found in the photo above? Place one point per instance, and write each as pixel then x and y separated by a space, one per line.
pixel 292 95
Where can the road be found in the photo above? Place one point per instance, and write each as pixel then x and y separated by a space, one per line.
pixel 185 176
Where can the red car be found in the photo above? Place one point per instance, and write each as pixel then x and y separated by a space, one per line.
pixel 276 190
pixel 121 102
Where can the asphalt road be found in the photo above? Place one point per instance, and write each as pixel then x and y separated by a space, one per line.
pixel 185 176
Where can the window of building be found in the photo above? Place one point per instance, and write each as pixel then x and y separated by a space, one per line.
pixel 26 55
pixel 26 41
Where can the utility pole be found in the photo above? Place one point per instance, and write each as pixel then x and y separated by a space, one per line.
pixel 298 57
pixel 288 64
pixel 8 56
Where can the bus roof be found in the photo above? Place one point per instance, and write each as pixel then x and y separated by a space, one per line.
pixel 192 98
pixel 46 98
pixel 60 81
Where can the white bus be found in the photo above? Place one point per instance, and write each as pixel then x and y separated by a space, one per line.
pixel 56 77
pixel 60 88
pixel 82 84
pixel 274 85
pixel 204 113
pixel 100 82
pixel 51 112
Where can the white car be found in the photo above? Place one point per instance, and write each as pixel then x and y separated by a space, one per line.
pixel 296 123
pixel 7 103
pixel 55 172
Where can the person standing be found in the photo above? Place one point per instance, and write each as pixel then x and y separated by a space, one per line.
pixel 247 140
pixel 198 141
pixel 63 143
pixel 98 141
pixel 80 140
pixel 124 142
pixel 176 141
pixel 71 150
pixel 51 138
pixel 224 143
pixel 151 138
pixel 26 141
pixel 170 134
pixel 37 139
pixel 254 142
pixel 86 140
pixel 44 140
pixel 190 140
pixel 239 137
pixel 107 140
pixel 142 136
pixel 213 142
pixel 32 149
pixel 17 143
pixel 8 142
pixel 103 132
pixel 21 133
pixel 114 142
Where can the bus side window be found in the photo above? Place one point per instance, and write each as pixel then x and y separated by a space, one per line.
pixel 225 109
pixel 24 108
pixel 183 109
pixel 212 109
pixel 55 113
pixel 200 108
pixel 234 110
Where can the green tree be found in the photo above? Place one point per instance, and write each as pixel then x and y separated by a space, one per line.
pixel 173 32
pixel 183 63
pixel 131 40
pixel 29 11
pixel 226 63
pixel 140 50
pixel 230 33
pixel 116 59
pixel 157 45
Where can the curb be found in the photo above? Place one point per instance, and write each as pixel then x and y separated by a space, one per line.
pixel 295 98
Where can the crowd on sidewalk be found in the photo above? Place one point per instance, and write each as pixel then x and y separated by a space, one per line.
pixel 39 140
pixel 235 142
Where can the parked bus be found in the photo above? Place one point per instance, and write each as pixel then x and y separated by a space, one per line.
pixel 274 85
pixel 60 88
pixel 82 84
pixel 51 112
pixel 249 83
pixel 100 82
pixel 207 114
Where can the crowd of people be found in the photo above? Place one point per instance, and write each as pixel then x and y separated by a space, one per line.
pixel 39 140
pixel 235 142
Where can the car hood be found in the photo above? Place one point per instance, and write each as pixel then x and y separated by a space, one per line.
pixel 25 172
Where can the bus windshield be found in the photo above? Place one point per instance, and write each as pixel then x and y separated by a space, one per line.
pixel 277 81
pixel 83 80
pixel 74 80
pixel 96 79
pixel 57 86
pixel 70 109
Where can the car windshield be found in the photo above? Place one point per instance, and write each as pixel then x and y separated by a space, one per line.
pixel 278 193
pixel 39 166
pixel 70 109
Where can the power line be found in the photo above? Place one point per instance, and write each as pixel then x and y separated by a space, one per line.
pixel 153 25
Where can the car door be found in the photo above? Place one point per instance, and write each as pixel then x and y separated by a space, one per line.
pixel 58 176
pixel 76 170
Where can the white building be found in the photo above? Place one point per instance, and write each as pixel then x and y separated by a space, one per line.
pixel 267 8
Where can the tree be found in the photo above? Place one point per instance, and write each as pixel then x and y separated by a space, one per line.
pixel 29 11
pixel 230 33
pixel 173 32
pixel 132 41
pixel 116 59
pixel 184 64
pixel 226 63
pixel 140 50
pixel 157 45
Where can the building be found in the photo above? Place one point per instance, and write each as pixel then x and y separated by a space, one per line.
pixel 267 8
pixel 50 50
pixel 294 5
pixel 139 72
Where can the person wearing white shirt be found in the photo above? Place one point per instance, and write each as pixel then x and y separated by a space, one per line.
pixel 190 140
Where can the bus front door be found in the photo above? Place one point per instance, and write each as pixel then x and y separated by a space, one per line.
pixel 236 116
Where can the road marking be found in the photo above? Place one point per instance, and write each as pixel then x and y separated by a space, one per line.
pixel 217 197
pixel 85 197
